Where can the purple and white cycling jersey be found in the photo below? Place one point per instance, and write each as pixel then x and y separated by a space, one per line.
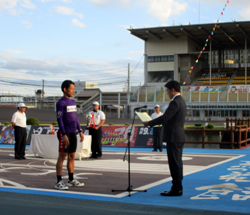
pixel 66 115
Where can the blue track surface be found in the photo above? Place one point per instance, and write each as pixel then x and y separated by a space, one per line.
pixel 224 187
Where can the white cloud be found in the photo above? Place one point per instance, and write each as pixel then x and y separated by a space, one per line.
pixel 67 11
pixel 77 23
pixel 163 9
pixel 244 13
pixel 12 6
pixel 104 3
pixel 138 52
pixel 14 51
pixel 58 69
pixel 27 4
pixel 64 1
pixel 26 23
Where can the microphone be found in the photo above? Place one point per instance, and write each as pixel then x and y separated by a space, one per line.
pixel 138 108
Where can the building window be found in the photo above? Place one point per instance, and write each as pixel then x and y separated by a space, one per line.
pixel 189 112
pixel 157 58
pixel 164 58
pixel 151 59
pixel 196 113
pixel 171 58
pixel 246 113
pixel 221 113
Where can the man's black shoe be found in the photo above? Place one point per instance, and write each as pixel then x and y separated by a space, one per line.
pixel 172 193
pixel 18 158
pixel 154 150
pixel 22 157
pixel 160 150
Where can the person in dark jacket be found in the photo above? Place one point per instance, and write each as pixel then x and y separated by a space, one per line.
pixel 173 121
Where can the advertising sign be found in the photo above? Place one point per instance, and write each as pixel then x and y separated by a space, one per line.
pixel 239 89
pixel 205 89
pixel 144 137
pixel 7 135
pixel 117 135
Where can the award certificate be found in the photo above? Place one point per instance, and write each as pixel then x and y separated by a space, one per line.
pixel 144 117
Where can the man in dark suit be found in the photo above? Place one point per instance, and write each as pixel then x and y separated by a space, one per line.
pixel 173 121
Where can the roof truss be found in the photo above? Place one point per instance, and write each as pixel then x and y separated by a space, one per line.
pixel 191 36
pixel 154 35
pixel 170 33
pixel 243 31
pixel 135 34
pixel 226 34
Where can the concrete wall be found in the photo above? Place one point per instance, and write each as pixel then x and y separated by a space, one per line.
pixel 181 48
pixel 167 46
pixel 161 66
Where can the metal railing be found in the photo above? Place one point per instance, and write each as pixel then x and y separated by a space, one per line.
pixel 238 135
pixel 213 93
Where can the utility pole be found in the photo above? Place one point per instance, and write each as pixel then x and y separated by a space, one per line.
pixel 128 94
pixel 43 90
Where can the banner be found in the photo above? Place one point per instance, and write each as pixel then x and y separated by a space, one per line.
pixel 7 135
pixel 36 129
pixel 205 89
pixel 239 89
pixel 144 137
pixel 117 136
pixel 112 135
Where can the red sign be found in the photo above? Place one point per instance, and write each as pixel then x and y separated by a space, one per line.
pixel 118 136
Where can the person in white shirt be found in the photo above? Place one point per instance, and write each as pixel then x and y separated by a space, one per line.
pixel 157 131
pixel 18 122
pixel 96 131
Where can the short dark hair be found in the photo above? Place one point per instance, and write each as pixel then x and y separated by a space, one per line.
pixel 173 85
pixel 66 84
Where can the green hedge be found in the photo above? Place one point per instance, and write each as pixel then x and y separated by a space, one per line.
pixel 210 126
pixel 32 121
pixel 55 123
pixel 7 123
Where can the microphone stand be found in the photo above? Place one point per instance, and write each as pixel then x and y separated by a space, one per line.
pixel 129 189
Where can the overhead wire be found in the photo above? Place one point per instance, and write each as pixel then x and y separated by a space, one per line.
pixel 136 65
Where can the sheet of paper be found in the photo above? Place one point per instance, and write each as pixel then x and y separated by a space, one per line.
pixel 144 117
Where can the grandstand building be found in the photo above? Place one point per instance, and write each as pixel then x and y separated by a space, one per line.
pixel 218 86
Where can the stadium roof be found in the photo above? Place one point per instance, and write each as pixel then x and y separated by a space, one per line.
pixel 228 35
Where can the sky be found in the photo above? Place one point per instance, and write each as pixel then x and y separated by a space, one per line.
pixel 88 40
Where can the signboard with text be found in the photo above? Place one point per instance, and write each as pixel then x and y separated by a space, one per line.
pixel 239 89
pixel 144 137
pixel 205 89
pixel 118 136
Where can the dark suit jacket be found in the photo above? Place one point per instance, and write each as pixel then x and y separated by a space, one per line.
pixel 173 121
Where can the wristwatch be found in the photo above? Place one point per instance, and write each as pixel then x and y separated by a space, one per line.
pixel 80 130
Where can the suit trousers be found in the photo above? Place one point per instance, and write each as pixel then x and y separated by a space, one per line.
pixel 157 135
pixel 174 152
pixel 20 138
pixel 96 144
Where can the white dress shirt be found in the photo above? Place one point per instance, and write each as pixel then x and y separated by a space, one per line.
pixel 156 115
pixel 98 116
pixel 19 119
